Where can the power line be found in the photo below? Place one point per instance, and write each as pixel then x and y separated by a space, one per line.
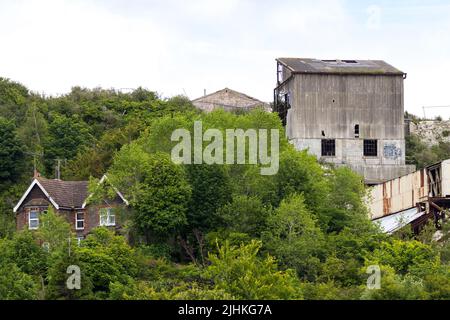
pixel 429 107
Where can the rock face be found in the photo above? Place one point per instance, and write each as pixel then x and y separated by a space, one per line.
pixel 431 131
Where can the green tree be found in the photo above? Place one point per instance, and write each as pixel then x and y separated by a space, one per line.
pixel 15 284
pixel 66 137
pixel 245 215
pixel 54 230
pixel 33 133
pixel 12 160
pixel 239 272
pixel 294 237
pixel 396 287
pixel 211 189
pixel 158 190
pixel 345 207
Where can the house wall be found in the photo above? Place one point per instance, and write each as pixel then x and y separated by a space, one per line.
pixel 329 106
pixel 91 213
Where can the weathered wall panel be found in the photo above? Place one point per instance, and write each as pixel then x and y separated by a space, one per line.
pixel 398 194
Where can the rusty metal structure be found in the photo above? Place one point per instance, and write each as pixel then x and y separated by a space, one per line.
pixel 415 198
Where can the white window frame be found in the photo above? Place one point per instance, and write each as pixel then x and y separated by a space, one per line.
pixel 78 220
pixel 34 219
pixel 109 213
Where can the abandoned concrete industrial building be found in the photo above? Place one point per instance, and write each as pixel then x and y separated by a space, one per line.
pixel 347 112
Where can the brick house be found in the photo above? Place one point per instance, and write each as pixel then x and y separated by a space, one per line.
pixel 68 198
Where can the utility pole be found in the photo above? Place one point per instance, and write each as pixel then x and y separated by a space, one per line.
pixel 35 155
pixel 58 168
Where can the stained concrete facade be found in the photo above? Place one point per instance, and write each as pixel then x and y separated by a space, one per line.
pixel 347 103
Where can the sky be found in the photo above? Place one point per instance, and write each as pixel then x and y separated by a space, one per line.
pixel 185 47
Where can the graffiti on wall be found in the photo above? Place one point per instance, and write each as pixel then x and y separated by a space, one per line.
pixel 391 151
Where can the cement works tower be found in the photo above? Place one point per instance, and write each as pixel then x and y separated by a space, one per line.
pixel 346 112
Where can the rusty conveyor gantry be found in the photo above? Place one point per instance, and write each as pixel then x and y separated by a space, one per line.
pixel 412 199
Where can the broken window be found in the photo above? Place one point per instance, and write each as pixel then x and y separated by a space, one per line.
pixel 328 148
pixel 370 148
pixel 356 130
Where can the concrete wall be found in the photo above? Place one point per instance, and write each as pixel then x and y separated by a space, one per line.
pixel 335 103
pixel 329 107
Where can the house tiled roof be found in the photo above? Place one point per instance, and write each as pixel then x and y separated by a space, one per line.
pixel 70 194
pixel 61 194
pixel 317 66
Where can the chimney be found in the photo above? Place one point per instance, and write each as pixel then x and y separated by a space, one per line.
pixel 36 174
pixel 204 92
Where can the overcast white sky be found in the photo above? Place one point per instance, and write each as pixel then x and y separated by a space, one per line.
pixel 183 47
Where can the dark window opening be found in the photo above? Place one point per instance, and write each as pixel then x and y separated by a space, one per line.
pixel 287 100
pixel 370 148
pixel 350 61
pixel 328 148
pixel 356 130
pixel 323 133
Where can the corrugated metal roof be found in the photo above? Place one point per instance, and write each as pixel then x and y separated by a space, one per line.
pixel 314 66
pixel 396 221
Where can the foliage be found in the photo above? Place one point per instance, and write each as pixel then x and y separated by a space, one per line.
pixel 239 272
pixel 302 233
pixel 294 238
pixel 12 159
pixel 54 230
pixel 16 284
pixel 158 190
pixel 245 214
